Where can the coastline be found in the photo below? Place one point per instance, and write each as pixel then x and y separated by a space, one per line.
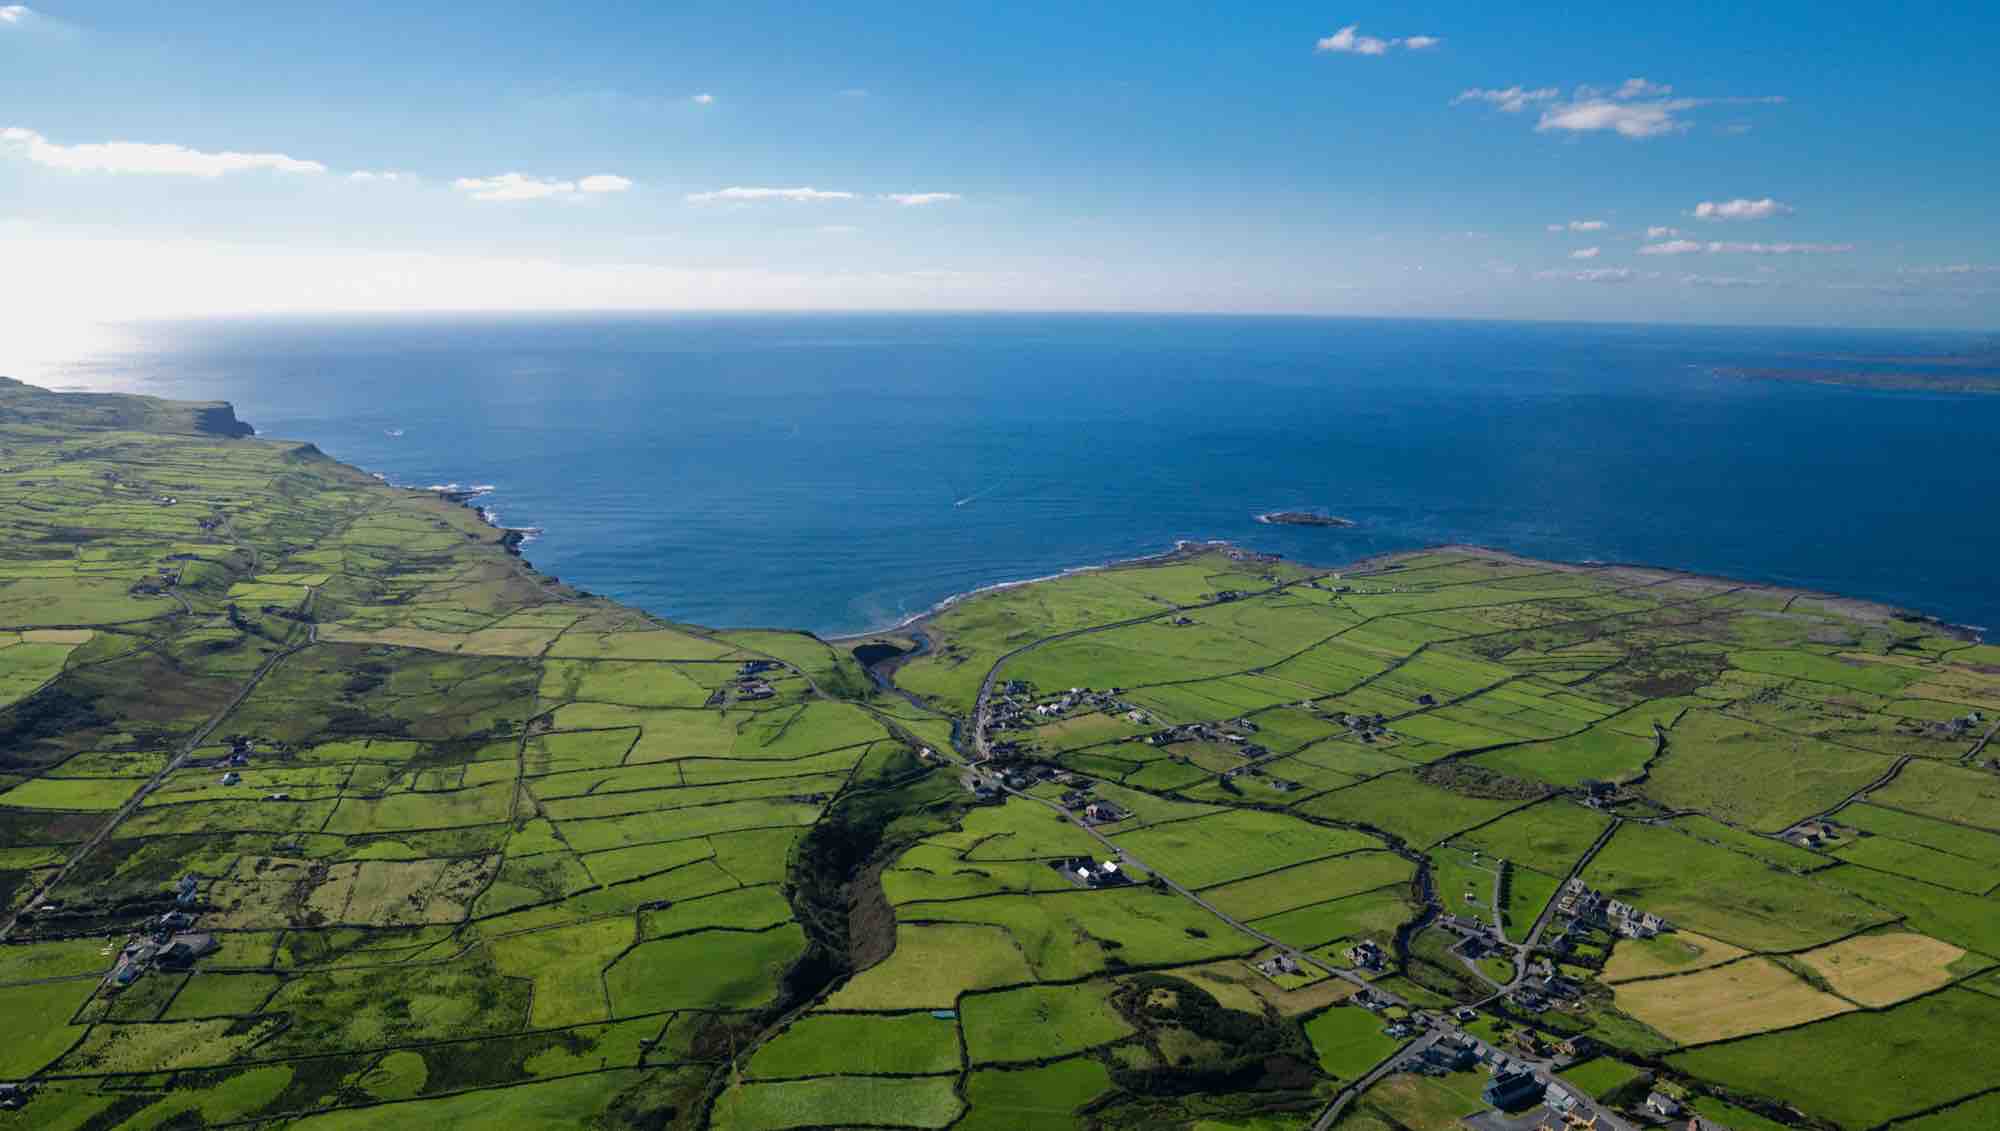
pixel 513 538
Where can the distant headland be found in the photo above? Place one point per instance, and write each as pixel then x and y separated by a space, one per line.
pixel 1303 518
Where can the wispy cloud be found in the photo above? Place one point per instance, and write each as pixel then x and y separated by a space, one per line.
pixel 703 99
pixel 1740 209
pixel 1584 253
pixel 1730 247
pixel 1589 112
pixel 369 175
pixel 1635 108
pixel 1660 232
pixel 520 186
pixel 1779 248
pixel 1511 100
pixel 1592 275
pixel 743 194
pixel 146 157
pixel 919 199
pixel 1953 269
pixel 1350 41
pixel 1726 282
pixel 1581 226
pixel 15 14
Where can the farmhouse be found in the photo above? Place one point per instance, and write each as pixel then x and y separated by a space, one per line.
pixel 184 949
pixel 1103 813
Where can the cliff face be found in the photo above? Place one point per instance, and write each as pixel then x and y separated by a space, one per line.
pixel 21 403
pixel 219 419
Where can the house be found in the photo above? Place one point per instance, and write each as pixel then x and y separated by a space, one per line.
pixel 181 952
pixel 1558 1097
pixel 1278 964
pixel 1512 1091
pixel 1427 700
pixel 1366 955
pixel 1662 1105
pixel 186 890
pixel 231 778
pixel 1103 812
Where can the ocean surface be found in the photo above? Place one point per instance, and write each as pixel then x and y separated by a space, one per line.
pixel 840 472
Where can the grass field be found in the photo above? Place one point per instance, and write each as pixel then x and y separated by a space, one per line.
pixel 493 844
pixel 1349 1041
pixel 1039 1023
pixel 1903 1060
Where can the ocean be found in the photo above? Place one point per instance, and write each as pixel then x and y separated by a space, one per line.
pixel 839 472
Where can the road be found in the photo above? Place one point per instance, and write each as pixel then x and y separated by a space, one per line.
pixel 180 757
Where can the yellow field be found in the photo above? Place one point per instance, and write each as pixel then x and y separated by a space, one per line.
pixel 1237 986
pixel 933 964
pixel 1884 969
pixel 1680 952
pixel 1727 1001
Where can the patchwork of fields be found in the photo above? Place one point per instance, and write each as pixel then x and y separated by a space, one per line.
pixel 319 808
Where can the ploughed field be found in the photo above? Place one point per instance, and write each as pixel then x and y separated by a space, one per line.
pixel 319 808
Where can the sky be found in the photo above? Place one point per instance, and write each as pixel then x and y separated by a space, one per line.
pixel 1789 162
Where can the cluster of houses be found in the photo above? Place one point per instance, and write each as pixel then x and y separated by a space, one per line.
pixel 168 942
pixel 1083 872
pixel 1235 732
pixel 1278 965
pixel 1365 955
pixel 1958 728
pixel 749 686
pixel 1095 811
pixel 1816 833
pixel 1581 903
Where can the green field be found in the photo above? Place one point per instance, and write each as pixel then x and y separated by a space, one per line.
pixel 477 848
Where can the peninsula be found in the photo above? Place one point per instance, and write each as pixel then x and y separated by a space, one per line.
pixel 320 809
pixel 1303 518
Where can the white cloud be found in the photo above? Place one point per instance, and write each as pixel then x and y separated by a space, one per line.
pixel 1588 225
pixel 1346 42
pixel 146 157
pixel 1511 100
pixel 1723 247
pixel 1780 248
pixel 1625 112
pixel 1627 119
pixel 1952 269
pixel 704 99
pixel 520 186
pixel 1728 282
pixel 1660 232
pixel 742 194
pixel 379 175
pixel 919 199
pixel 1584 253
pixel 1740 209
pixel 512 186
pixel 1641 88
pixel 1671 247
pixel 1350 41
pixel 1592 275
pixel 16 14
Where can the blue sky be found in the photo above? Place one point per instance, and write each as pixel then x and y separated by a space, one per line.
pixel 1455 160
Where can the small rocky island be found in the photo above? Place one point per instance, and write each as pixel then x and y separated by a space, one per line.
pixel 1303 518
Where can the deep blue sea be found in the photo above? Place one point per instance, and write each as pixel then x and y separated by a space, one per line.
pixel 838 472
